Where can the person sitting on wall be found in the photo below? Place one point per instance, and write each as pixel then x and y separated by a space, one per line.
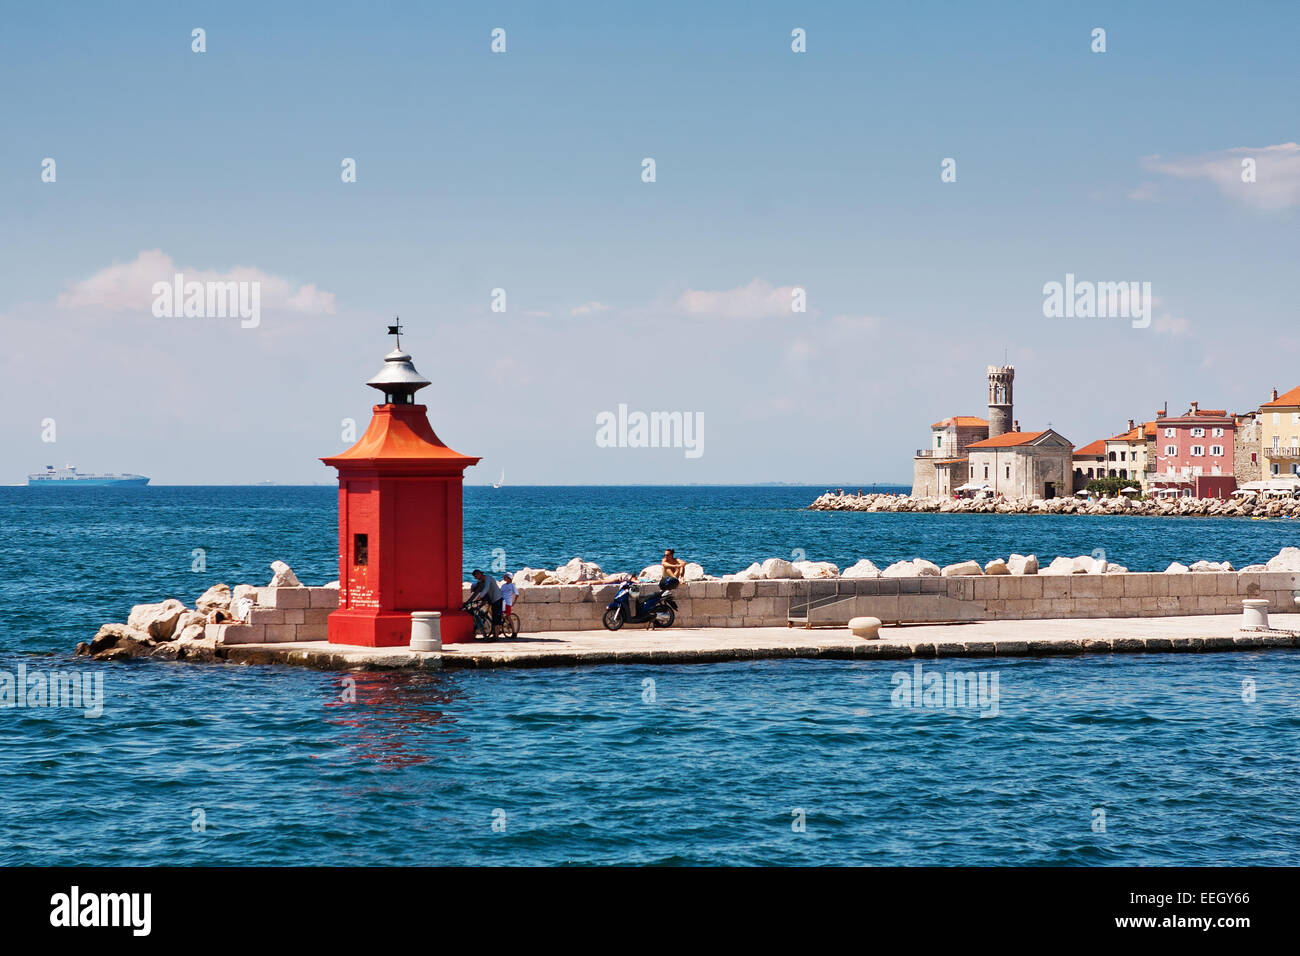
pixel 672 566
pixel 486 589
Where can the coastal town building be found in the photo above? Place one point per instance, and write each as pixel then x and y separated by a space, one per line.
pixel 1194 455
pixel 1280 434
pixel 1089 463
pixel 1247 458
pixel 1023 464
pixel 1130 454
pixel 944 467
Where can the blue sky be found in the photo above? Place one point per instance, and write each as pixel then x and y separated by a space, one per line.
pixel 522 171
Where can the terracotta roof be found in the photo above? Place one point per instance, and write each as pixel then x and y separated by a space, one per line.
pixel 401 435
pixel 1007 440
pixel 1140 433
pixel 961 421
pixel 1288 400
pixel 1094 450
pixel 950 461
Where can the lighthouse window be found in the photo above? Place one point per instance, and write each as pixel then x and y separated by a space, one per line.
pixel 360 549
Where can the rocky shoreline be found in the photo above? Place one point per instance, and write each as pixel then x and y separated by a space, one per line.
pixel 1248 507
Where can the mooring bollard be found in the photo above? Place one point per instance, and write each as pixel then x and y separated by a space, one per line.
pixel 1254 613
pixel 426 630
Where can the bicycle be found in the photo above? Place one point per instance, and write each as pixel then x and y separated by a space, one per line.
pixel 483 626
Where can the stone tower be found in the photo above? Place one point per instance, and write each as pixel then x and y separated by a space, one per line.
pixel 1001 378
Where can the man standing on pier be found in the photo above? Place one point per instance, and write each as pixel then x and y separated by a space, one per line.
pixel 486 587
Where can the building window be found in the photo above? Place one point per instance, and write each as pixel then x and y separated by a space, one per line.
pixel 1198 451
pixel 1277 418
pixel 1254 458
pixel 1295 418
pixel 360 549
pixel 1171 450
pixel 986 471
pixel 1169 433
pixel 1216 470
pixel 1216 451
pixel 1217 432
pixel 1111 456
pixel 1198 432
pixel 1277 469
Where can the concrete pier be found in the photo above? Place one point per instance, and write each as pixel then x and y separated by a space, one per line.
pixel 714 644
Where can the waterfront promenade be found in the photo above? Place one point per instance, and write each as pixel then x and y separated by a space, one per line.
pixel 713 644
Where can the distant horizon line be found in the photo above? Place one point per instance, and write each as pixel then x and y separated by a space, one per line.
pixel 646 484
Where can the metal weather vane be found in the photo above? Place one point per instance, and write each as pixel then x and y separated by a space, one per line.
pixel 396 330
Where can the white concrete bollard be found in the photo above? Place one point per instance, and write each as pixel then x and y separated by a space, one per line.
pixel 867 628
pixel 426 630
pixel 1254 613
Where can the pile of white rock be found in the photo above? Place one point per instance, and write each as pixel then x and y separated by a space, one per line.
pixel 578 571
pixel 171 622
pixel 1246 507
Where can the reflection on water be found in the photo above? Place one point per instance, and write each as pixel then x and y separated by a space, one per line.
pixel 396 718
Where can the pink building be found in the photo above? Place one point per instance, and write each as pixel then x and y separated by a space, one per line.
pixel 1194 453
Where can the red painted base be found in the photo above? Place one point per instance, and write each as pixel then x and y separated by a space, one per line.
pixel 367 627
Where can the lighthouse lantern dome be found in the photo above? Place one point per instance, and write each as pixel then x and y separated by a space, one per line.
pixel 398 379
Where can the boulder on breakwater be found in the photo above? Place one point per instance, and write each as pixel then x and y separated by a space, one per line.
pixel 1248 507
pixel 171 631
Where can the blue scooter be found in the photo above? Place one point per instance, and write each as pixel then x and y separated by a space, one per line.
pixel 658 610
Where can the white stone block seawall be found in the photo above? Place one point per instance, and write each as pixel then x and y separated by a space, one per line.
pixel 285 615
pixel 930 599
pixel 282 615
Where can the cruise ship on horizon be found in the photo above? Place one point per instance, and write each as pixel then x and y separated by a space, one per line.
pixel 68 475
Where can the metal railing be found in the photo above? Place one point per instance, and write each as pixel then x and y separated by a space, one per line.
pixel 1283 451
pixel 819 612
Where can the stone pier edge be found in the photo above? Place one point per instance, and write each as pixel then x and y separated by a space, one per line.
pixel 401 659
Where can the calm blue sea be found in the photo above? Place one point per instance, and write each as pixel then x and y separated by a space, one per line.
pixel 705 764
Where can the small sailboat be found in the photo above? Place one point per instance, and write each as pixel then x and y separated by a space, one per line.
pixel 500 481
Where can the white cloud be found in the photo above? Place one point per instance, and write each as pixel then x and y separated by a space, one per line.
pixel 590 308
pixel 1277 173
pixel 865 323
pixel 758 300
pixel 1171 324
pixel 128 287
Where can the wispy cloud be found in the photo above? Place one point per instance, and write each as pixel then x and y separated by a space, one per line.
pixel 1276 176
pixel 758 300
pixel 128 286
pixel 590 308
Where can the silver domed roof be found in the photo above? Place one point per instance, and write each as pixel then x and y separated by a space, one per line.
pixel 398 375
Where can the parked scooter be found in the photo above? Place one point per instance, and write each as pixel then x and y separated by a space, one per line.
pixel 658 610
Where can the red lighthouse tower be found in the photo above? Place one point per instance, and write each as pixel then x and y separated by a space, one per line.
pixel 400 520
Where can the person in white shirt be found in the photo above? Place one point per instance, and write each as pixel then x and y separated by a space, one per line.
pixel 508 592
